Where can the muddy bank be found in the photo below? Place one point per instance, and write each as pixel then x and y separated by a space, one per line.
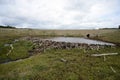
pixel 10 60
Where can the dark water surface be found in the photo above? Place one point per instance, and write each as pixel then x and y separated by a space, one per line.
pixel 79 40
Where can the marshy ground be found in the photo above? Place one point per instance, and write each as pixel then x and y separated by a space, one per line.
pixel 57 64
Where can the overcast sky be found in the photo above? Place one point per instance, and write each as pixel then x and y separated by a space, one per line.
pixel 60 14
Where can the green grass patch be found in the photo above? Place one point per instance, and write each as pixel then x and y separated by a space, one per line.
pixel 79 66
pixel 20 50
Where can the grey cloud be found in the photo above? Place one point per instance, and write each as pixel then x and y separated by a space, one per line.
pixel 76 14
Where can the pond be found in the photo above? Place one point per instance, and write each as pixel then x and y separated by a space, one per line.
pixel 78 40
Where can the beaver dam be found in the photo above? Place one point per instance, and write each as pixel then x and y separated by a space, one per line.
pixel 41 45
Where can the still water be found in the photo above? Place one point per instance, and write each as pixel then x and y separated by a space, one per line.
pixel 79 40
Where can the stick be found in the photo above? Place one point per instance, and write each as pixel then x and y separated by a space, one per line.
pixel 63 60
pixel 105 54
pixel 112 69
pixel 11 46
pixel 104 58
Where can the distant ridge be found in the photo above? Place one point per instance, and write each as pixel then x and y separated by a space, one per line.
pixel 7 27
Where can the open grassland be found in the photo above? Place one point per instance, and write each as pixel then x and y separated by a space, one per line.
pixel 110 36
pixel 8 35
pixel 79 65
pixel 74 64
pixel 35 32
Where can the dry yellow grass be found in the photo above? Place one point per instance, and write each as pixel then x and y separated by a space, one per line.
pixel 37 32
pixel 79 32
